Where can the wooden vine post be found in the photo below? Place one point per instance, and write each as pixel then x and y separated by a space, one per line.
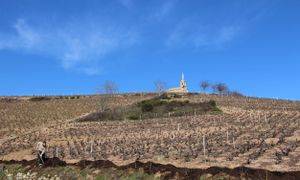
pixel 204 148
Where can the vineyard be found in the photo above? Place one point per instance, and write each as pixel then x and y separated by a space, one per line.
pixel 250 132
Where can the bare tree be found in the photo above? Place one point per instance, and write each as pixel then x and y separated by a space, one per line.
pixel 204 85
pixel 235 93
pixel 160 86
pixel 110 87
pixel 106 91
pixel 214 88
pixel 103 102
pixel 221 88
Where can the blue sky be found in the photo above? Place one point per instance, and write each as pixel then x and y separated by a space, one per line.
pixel 54 47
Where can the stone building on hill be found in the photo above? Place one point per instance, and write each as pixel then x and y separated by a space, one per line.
pixel 181 89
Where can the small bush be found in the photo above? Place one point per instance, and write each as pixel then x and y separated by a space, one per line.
pixel 72 97
pixel 154 102
pixel 39 98
pixel 174 95
pixel 133 117
pixel 212 103
pixel 147 107
pixel 164 96
pixel 178 103
pixel 236 94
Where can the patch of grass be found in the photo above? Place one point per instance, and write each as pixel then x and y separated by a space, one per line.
pixel 66 172
pixel 2 174
pixel 206 177
pixel 137 175
pixel 157 107
pixel 74 173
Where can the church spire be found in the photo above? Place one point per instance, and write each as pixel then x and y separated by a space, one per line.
pixel 182 87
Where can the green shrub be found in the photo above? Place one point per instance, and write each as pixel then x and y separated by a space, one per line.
pixel 39 98
pixel 177 96
pixel 177 103
pixel 212 103
pixel 147 107
pixel 133 117
pixel 154 102
pixel 164 96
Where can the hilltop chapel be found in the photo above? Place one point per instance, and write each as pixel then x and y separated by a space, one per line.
pixel 182 87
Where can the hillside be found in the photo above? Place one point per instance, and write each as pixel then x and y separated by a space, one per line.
pixel 249 132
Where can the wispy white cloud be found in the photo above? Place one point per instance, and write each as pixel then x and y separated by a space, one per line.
pixel 208 29
pixel 187 34
pixel 217 38
pixel 24 38
pixel 78 46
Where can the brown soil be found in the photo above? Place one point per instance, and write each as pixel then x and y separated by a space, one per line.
pixel 170 171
